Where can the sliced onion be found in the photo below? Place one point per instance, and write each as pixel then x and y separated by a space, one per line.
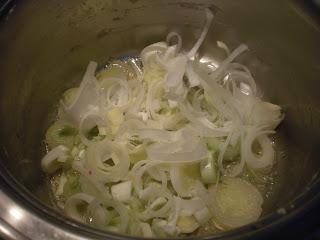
pixel 194 79
pixel 50 161
pixel 74 203
pixel 201 123
pixel 103 151
pixel 266 115
pixel 150 213
pixel 98 216
pixel 222 45
pixel 236 203
pixel 87 96
pixel 121 210
pixel 176 35
pixel 152 50
pixel 267 154
pixel 194 50
pixel 185 150
pixel 155 135
pixel 89 121
pixel 184 178
pixel 217 74
pixel 137 173
pixel 191 206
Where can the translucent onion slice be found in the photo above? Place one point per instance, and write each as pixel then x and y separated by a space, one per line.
pixel 156 135
pixel 185 151
pixel 194 50
pixel 107 161
pixel 236 203
pixel 222 69
pixel 89 121
pixel 184 178
pixel 151 51
pixel 54 159
pixel 265 157
pixel 191 206
pixel 97 215
pixel 74 206
pixel 162 211
pixel 266 115
pixel 121 210
pixel 87 96
pixel 203 126
pixel 137 172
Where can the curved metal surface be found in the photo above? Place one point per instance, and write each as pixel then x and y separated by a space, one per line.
pixel 22 224
pixel 45 46
pixel 9 233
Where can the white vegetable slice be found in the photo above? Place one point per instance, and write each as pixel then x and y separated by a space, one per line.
pixel 209 18
pixel 266 155
pixel 89 121
pixel 208 170
pixel 74 205
pixel 203 215
pixel 191 206
pixel 107 161
pixel 266 114
pixel 53 159
pixel 122 191
pixel 184 178
pixel 236 203
pixel 187 149
pixel 156 135
pixel 87 96
pixel 146 230
pixel 121 210
pixel 187 224
pixel 176 35
pixel 97 214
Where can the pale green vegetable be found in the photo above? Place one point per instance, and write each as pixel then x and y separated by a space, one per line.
pixel 208 170
pixel 55 159
pixel 61 133
pixel 187 224
pixel 88 187
pixel 116 69
pixel 232 153
pixel 203 215
pixel 115 117
pixel 138 154
pixel 93 133
pixel 72 185
pixel 146 230
pixel 70 95
pixel 184 178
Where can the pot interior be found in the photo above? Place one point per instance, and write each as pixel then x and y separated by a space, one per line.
pixel 46 45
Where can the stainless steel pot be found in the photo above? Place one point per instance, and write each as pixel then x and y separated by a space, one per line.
pixel 45 46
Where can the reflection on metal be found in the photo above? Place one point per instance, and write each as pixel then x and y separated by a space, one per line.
pixel 8 232
pixel 4 231
pixel 16 213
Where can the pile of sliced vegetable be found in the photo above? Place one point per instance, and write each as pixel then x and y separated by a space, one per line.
pixel 157 147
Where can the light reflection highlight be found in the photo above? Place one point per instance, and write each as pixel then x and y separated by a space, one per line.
pixel 16 213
